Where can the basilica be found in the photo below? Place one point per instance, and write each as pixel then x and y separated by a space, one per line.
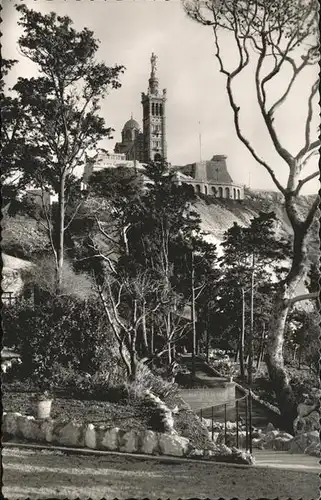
pixel 140 146
pixel 150 144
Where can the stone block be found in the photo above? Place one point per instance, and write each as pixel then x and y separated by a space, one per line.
pixel 232 455
pixel 280 444
pixel 110 440
pixel 307 423
pixel 305 409
pixel 257 443
pixel 27 427
pixel 270 427
pixel 271 435
pixel 128 442
pixel 196 453
pixel 149 443
pixel 35 429
pixel 215 436
pixel 90 437
pixel 208 454
pixel 302 441
pixel 313 449
pixel 285 435
pixel 70 434
pixel 231 438
pixel 173 445
pixel 47 427
pixel 222 449
pixel 10 423
pixel 207 422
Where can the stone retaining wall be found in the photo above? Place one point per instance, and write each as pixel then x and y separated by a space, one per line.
pixel 206 397
pixel 102 437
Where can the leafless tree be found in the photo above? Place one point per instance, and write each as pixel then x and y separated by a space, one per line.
pixel 127 309
pixel 273 37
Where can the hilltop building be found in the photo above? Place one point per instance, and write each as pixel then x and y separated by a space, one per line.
pixel 107 159
pixel 210 178
pixel 138 147
pixel 150 144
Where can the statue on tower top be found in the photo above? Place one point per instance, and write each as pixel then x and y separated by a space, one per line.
pixel 153 61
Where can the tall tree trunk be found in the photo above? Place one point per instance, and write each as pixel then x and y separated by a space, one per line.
pixel 261 348
pixel 242 338
pixel 250 361
pixel 275 359
pixel 193 318
pixel 61 232
pixel 144 329
pixel 152 337
pixel 168 333
pixel 207 334
pixel 133 364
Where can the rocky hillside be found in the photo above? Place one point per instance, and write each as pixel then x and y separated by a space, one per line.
pixel 25 238
pixel 219 215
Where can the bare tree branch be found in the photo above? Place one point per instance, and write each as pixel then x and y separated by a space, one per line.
pixel 305 180
pixel 307 145
pixel 236 111
pixel 300 298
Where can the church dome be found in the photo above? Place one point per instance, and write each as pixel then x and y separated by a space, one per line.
pixel 131 124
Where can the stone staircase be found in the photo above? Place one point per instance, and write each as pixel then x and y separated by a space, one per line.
pixel 215 390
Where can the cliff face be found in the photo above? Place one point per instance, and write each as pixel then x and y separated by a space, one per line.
pixel 219 215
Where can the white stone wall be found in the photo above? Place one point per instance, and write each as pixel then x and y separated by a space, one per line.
pixel 218 190
pixel 102 437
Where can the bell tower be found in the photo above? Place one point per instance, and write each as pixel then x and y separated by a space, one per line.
pixel 154 118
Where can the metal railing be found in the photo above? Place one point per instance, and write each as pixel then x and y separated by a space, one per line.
pixel 243 408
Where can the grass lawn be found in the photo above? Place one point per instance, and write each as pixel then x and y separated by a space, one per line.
pixel 88 411
pixel 44 474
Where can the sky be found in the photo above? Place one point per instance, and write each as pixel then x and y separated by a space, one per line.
pixel 129 31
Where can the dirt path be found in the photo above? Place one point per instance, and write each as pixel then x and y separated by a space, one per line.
pixel 43 474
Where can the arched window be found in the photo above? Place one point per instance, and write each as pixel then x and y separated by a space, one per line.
pixel 205 189
pixel 238 194
pixel 153 108
pixel 227 192
pixel 156 109
pixel 220 192
pixel 161 109
pixel 198 188
pixel 214 191
pixel 234 193
pixel 157 157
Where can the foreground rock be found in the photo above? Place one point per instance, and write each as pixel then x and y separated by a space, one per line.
pixel 274 440
pixel 308 420
pixel 305 443
pixel 102 437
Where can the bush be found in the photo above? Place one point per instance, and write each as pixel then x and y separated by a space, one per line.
pixel 225 366
pixel 146 380
pixel 23 237
pixel 189 425
pixel 302 383
pixel 42 278
pixel 63 343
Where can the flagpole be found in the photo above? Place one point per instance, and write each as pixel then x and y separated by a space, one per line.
pixel 200 140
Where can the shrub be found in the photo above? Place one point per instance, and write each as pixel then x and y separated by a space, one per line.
pixel 23 237
pixel 41 277
pixel 189 425
pixel 63 342
pixel 225 366
pixel 146 380
pixel 303 383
